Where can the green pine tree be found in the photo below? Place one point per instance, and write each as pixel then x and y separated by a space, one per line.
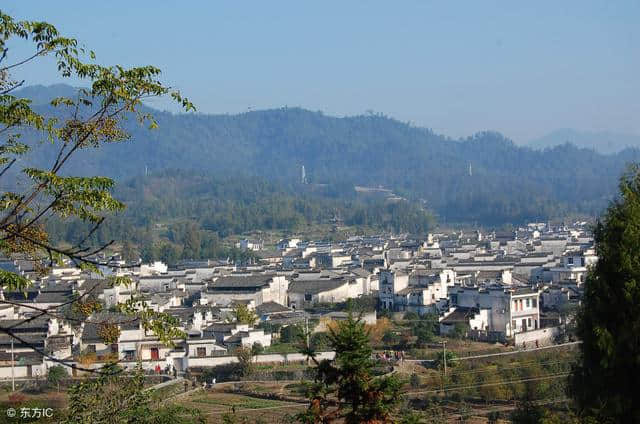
pixel 345 388
pixel 604 382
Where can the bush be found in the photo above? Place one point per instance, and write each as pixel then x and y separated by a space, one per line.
pixel 414 381
pixel 411 316
pixel 320 340
pixel 291 334
pixel 55 374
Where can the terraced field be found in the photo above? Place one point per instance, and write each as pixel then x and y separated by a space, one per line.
pixel 214 404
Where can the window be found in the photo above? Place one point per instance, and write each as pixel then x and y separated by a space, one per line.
pixel 308 297
pixel 201 351
pixel 91 348
pixel 570 260
pixel 155 354
pixel 528 303
pixel 529 322
pixel 454 299
pixel 534 303
pixel 129 355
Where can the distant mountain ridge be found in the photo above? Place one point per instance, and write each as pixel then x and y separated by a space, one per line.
pixel 485 178
pixel 601 141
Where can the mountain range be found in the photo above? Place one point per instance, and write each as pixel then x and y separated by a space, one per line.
pixel 601 141
pixel 485 178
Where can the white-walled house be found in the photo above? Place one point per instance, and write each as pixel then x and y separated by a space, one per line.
pixel 330 290
pixel 259 288
pixel 502 311
pixel 390 283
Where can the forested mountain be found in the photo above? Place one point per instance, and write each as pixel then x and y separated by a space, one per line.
pixel 485 178
pixel 600 141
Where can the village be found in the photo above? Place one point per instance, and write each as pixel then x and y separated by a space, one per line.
pixel 514 288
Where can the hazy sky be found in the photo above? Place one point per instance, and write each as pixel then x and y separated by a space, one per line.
pixel 522 68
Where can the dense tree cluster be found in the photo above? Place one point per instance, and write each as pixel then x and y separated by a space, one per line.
pixel 177 215
pixel 604 382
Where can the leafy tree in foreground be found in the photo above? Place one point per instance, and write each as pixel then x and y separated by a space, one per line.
pixel 90 119
pixel 345 389
pixel 604 383
pixel 115 397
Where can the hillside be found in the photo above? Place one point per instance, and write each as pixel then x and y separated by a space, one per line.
pixel 600 141
pixel 508 183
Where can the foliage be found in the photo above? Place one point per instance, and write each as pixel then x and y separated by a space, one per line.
pixel 411 316
pixel 243 315
pixel 55 374
pixel 245 357
pixel 345 388
pixel 440 359
pixel 359 304
pixel 528 187
pixel 37 146
pixel 390 338
pixel 459 331
pixel 527 412
pixel 256 348
pixel 201 210
pixel 424 329
pixel 291 333
pixel 604 382
pixel 377 331
pixel 114 397
pixel 414 381
pixel 320 340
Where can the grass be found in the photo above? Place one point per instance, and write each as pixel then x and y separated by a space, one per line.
pixel 281 348
pixel 246 403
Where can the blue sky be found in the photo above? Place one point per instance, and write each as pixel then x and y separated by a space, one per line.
pixel 522 68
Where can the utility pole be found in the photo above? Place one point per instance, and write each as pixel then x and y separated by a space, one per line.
pixel 444 356
pixel 13 378
pixel 306 333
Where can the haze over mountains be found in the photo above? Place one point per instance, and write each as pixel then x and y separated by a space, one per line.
pixel 485 178
pixel 600 141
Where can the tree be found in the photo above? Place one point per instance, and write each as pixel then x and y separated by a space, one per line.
pixel 129 254
pixel 117 397
pixel 245 357
pixel 55 374
pixel 528 412
pixel 243 315
pixel 424 330
pixel 291 333
pixel 414 381
pixel 604 381
pixel 411 316
pixel 390 338
pixel 344 388
pixel 90 118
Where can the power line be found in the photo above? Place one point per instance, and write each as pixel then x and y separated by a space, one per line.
pixel 527 365
pixel 454 388
pixel 463 358
pixel 500 383
pixel 489 355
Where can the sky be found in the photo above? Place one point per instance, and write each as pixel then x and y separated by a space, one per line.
pixel 458 67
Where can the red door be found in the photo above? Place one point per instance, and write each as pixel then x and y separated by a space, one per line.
pixel 154 354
